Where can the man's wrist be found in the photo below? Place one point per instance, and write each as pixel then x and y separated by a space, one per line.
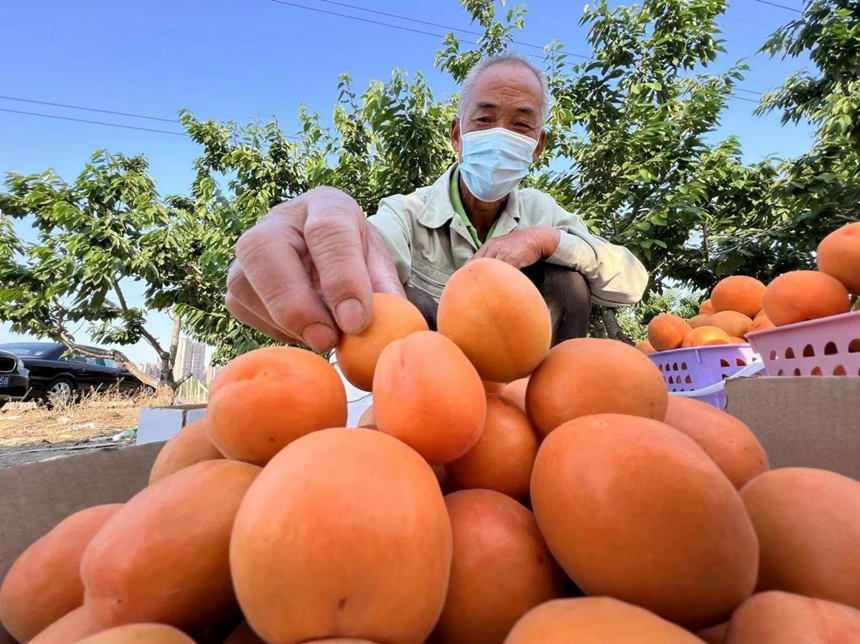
pixel 550 238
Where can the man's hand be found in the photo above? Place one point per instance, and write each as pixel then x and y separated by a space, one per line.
pixel 308 270
pixel 523 247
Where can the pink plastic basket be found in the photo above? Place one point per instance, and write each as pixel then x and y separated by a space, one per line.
pixel 825 347
pixel 699 367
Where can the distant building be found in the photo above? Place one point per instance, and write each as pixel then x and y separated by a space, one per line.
pixel 152 369
pixel 190 358
pixel 211 371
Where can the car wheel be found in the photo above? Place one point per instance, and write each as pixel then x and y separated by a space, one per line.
pixel 149 391
pixel 60 391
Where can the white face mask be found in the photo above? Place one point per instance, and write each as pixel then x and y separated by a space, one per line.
pixel 495 161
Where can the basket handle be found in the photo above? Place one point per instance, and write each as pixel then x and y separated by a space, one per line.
pixel 751 369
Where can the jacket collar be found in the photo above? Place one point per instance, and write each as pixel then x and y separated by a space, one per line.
pixel 438 210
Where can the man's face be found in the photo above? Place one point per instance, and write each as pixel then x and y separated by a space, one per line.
pixel 505 95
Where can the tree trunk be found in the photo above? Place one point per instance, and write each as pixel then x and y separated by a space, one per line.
pixel 604 324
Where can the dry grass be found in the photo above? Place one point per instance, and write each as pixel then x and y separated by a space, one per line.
pixel 96 415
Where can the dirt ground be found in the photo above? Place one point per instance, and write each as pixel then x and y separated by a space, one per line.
pixel 30 433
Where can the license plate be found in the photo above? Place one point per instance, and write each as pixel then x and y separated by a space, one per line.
pixel 4 381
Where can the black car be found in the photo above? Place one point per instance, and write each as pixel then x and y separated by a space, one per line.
pixel 55 372
pixel 14 378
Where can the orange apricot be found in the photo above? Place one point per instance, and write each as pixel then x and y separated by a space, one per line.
pixel 839 256
pixel 645 347
pixel 593 376
pixel 734 340
pixel 728 441
pixel 344 534
pixel 738 293
pixel 804 295
pixel 427 394
pixel 699 320
pixel 503 457
pixel 243 634
pixel 503 341
pixel 705 336
pixel 393 318
pixel 188 446
pixel 263 400
pixel 667 332
pixel 71 627
pixel 714 634
pixel 139 634
pixel 735 324
pixel 761 323
pixel 706 308
pixel 494 387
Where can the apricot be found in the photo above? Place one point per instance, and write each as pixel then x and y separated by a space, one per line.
pixel 71 627
pixel 761 323
pixel 243 634
pixel 494 387
pixel 738 293
pixel 595 620
pixel 139 634
pixel 594 376
pixel 263 400
pixel 808 524
pixel 705 336
pixel 344 534
pixel 714 634
pixel 725 439
pixel 188 446
pixel 839 256
pixel 634 509
pixel 505 341
pixel 45 583
pixel 393 318
pixel 163 557
pixel 516 392
pixel 503 457
pixel 759 314
pixel 735 324
pixel 667 332
pixel 699 320
pixel 706 308
pixel 501 568
pixel 804 295
pixel 782 618
pixel 367 418
pixel 427 394
pixel 645 347
pixel 733 340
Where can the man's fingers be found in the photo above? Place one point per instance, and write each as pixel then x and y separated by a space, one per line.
pixel 270 257
pixel 240 291
pixel 248 317
pixel 383 273
pixel 333 234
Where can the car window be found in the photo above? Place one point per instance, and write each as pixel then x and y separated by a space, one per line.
pixel 110 363
pixel 85 359
pixel 28 350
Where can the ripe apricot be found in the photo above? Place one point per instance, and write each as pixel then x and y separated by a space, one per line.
pixel 738 293
pixel 735 324
pixel 733 340
pixel 516 392
pixel 667 332
pixel 71 627
pixel 427 394
pixel 494 387
pixel 593 376
pixel 188 446
pixel 595 620
pixel 839 256
pixel 344 534
pixel 808 524
pixel 761 323
pixel 243 634
pixel 163 557
pixel 503 457
pixel 393 318
pixel 139 634
pixel 728 441
pixel 782 618
pixel 367 418
pixel 501 568
pixel 714 634
pixel 705 336
pixel 706 308
pixel 799 296
pixel 45 583
pixel 645 347
pixel 699 320
pixel 503 341
pixel 634 509
pixel 267 398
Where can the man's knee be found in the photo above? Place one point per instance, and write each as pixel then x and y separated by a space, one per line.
pixel 563 286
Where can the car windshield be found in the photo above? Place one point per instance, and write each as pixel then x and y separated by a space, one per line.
pixel 28 350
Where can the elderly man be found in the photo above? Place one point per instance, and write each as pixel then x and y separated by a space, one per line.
pixel 307 271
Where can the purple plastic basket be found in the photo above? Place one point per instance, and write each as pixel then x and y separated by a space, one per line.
pixel 826 347
pixel 699 367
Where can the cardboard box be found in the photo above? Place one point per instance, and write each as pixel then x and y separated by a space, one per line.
pixel 156 424
pixel 802 422
pixel 37 496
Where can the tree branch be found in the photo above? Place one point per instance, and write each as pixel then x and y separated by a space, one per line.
pixel 183 379
pixel 123 306
pixel 117 356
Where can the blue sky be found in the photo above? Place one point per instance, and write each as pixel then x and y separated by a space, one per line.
pixel 235 59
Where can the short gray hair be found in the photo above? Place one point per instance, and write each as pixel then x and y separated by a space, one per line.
pixel 507 58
